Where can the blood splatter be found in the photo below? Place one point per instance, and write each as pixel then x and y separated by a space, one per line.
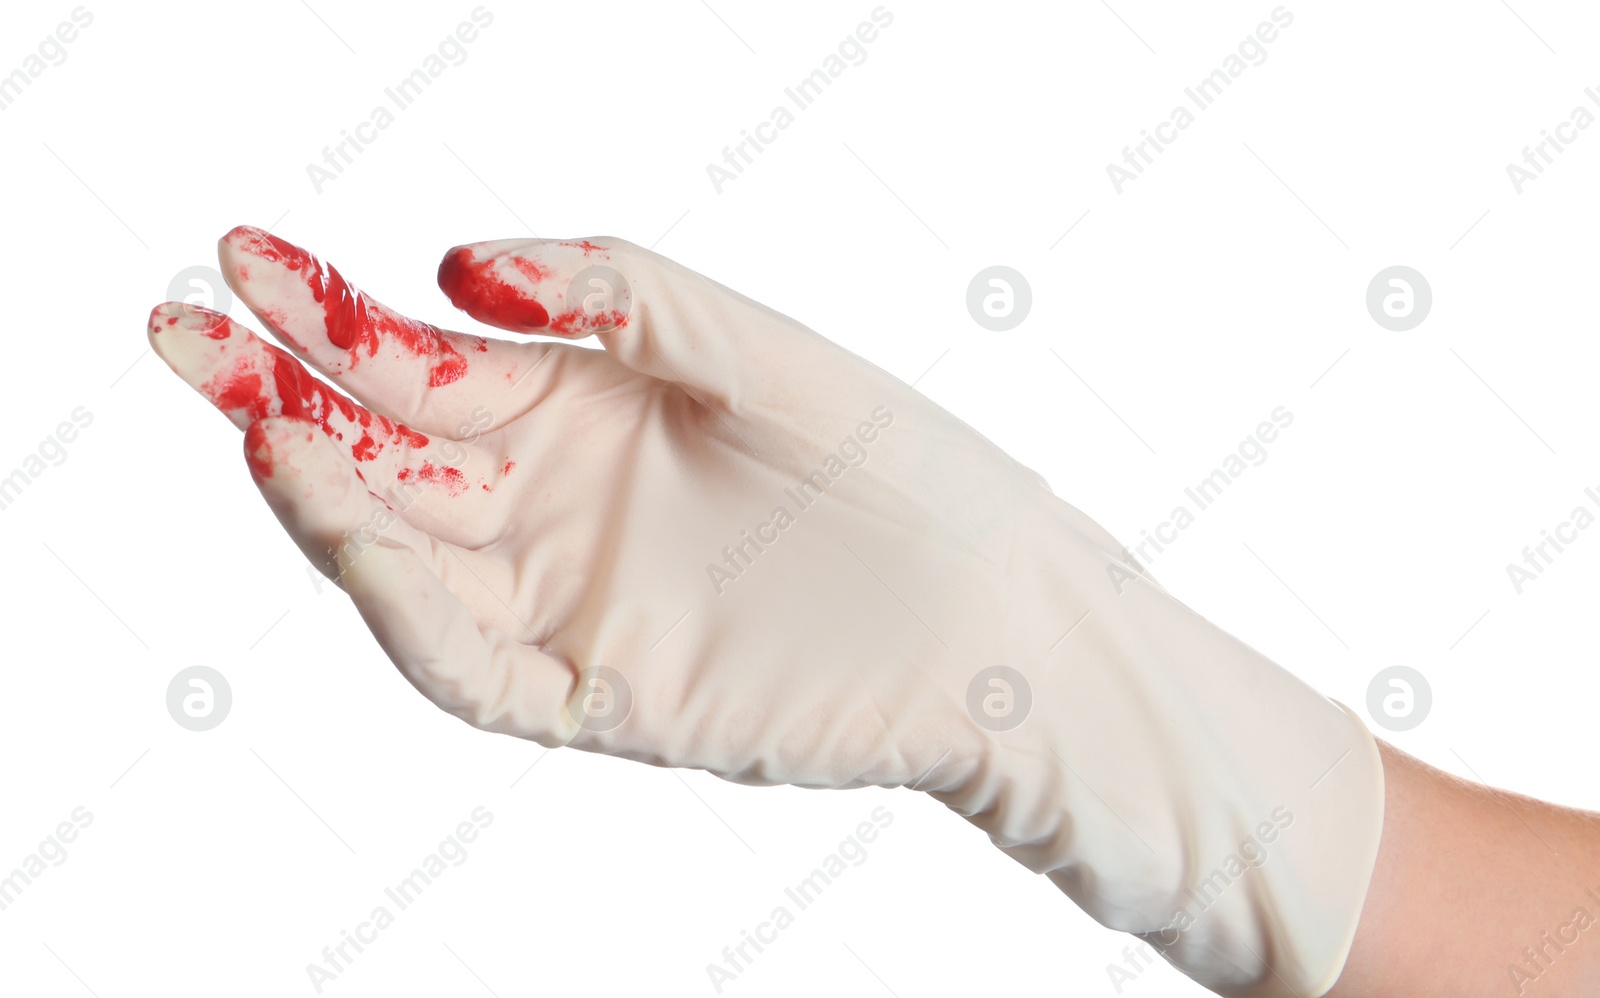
pixel 240 390
pixel 532 269
pixel 476 288
pixel 451 366
pixel 407 436
pixel 196 318
pixel 576 322
pixel 351 321
pixel 365 449
pixel 453 481
pixel 257 451
pixel 302 395
pixel 299 395
pixel 343 307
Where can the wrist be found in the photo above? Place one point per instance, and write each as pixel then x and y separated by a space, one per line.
pixel 1172 781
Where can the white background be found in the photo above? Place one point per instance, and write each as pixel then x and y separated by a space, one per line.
pixel 1228 280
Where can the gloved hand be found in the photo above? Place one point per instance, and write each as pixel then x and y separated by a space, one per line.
pixel 724 542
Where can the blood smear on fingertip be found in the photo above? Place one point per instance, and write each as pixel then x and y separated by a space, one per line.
pixel 475 288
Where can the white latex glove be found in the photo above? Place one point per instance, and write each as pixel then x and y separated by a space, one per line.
pixel 724 542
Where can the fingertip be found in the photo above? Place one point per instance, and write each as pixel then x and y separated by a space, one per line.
pixel 244 243
pixel 240 233
pixel 476 282
pixel 273 277
pixel 163 315
pixel 188 318
pixel 250 239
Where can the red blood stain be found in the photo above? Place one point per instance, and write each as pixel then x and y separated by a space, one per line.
pixel 305 397
pixel 352 322
pixel 407 436
pixel 384 325
pixel 504 471
pixel 475 288
pixel 576 322
pixel 300 395
pixel 240 390
pixel 243 391
pixel 365 449
pixel 195 318
pixel 586 246
pixel 343 307
pixel 532 269
pixel 451 479
pixel 275 317
pixel 451 366
pixel 257 451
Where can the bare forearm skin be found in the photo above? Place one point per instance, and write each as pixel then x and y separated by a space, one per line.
pixel 1476 892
